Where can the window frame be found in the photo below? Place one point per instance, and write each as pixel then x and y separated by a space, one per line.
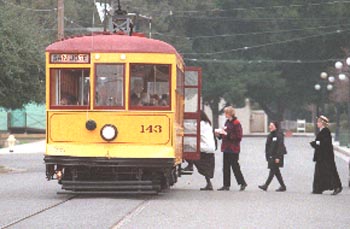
pixel 153 108
pixel 105 107
pixel 68 107
pixel 193 115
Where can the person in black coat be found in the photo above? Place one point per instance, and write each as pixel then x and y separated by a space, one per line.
pixel 274 153
pixel 326 176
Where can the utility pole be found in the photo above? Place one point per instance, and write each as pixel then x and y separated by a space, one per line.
pixel 60 19
pixel 105 18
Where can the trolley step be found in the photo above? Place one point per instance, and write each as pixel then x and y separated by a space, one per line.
pixel 114 192
pixel 106 187
pixel 186 172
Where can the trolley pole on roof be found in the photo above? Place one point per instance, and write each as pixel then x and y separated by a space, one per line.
pixel 60 19
pixel 105 18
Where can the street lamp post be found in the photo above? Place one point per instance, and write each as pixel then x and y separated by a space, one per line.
pixel 343 77
pixel 324 85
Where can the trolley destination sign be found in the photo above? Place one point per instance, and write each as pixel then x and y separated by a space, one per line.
pixel 70 58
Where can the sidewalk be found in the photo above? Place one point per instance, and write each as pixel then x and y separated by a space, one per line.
pixel 28 148
pixel 286 134
pixel 343 151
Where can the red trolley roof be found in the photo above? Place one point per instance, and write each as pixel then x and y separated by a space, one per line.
pixel 111 43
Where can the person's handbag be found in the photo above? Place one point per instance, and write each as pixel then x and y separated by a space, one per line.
pixel 271 162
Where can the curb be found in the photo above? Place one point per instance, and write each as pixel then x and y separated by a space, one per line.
pixel 342 150
pixel 28 148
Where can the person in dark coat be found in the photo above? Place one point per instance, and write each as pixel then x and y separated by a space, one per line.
pixel 231 136
pixel 326 176
pixel 274 153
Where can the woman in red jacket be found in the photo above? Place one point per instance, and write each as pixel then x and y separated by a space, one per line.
pixel 231 136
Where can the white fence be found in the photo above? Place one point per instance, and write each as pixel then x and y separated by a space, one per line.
pixel 298 125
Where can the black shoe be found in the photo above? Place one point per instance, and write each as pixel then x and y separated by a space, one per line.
pixel 224 188
pixel 207 188
pixel 337 191
pixel 263 187
pixel 315 192
pixel 281 189
pixel 243 186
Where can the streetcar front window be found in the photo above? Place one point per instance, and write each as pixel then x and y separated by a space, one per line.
pixel 69 87
pixel 109 85
pixel 149 86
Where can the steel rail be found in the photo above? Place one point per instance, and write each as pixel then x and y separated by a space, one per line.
pixel 36 213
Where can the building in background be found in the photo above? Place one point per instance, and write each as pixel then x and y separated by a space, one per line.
pixel 30 119
pixel 252 121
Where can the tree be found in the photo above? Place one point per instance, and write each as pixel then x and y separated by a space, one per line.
pixel 218 85
pixel 22 42
pixel 281 45
pixel 270 51
pixel 27 27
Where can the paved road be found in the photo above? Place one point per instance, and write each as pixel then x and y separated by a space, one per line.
pixel 25 191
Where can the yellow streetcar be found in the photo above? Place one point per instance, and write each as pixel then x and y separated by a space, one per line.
pixel 122 114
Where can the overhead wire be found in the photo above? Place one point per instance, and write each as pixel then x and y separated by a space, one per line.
pixel 214 18
pixel 261 19
pixel 261 61
pixel 43 10
pixel 239 34
pixel 267 44
pixel 251 33
pixel 254 8
pixel 28 8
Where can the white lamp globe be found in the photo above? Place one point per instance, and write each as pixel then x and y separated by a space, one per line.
pixel 342 76
pixel 338 65
pixel 329 87
pixel 348 61
pixel 324 75
pixel 317 87
pixel 331 79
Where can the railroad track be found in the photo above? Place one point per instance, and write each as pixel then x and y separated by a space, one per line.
pixel 127 218
pixel 36 213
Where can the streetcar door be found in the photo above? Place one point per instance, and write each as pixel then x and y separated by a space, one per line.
pixel 192 86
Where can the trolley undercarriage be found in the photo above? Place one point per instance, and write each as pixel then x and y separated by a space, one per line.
pixel 111 176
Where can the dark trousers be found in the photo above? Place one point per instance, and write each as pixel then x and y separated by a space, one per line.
pixel 231 160
pixel 275 171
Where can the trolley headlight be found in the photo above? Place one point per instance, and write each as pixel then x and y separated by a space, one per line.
pixel 109 132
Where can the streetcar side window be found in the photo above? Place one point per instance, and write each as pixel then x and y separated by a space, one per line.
pixel 149 86
pixel 69 87
pixel 109 91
